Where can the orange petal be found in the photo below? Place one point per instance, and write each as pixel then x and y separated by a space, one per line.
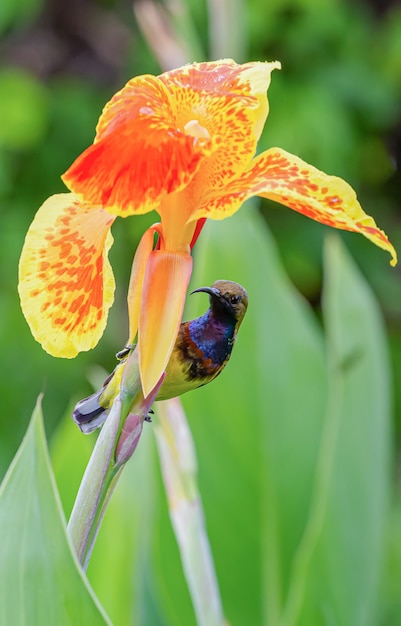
pixel 140 153
pixel 157 132
pixel 149 95
pixel 66 282
pixel 163 297
pixel 143 97
pixel 285 178
pixel 142 253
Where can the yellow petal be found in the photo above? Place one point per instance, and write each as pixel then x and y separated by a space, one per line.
pixel 249 81
pixel 283 177
pixel 136 281
pixel 162 304
pixel 258 76
pixel 227 102
pixel 66 282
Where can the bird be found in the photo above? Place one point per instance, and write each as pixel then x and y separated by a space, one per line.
pixel 201 351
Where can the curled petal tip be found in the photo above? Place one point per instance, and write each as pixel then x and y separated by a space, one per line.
pixel 394 257
pixel 285 178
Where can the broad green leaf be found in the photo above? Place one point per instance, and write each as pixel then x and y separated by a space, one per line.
pixel 40 579
pixel 256 429
pixel 390 600
pixel 337 569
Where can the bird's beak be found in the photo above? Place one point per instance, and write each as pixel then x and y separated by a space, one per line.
pixel 212 291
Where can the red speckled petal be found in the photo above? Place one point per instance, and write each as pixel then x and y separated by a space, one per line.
pixel 230 102
pixel 249 81
pixel 129 170
pixel 285 178
pixel 188 92
pixel 66 282
pixel 141 98
pixel 162 304
pixel 157 133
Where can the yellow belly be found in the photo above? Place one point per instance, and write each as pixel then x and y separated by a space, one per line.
pixel 176 381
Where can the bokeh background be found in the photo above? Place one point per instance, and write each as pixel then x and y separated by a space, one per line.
pixel 336 103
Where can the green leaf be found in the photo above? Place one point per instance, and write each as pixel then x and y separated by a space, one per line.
pixel 40 579
pixel 337 569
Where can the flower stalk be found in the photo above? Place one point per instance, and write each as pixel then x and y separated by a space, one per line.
pixel 179 469
pixel 116 444
pixel 86 515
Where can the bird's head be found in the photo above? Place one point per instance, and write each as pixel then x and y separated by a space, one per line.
pixel 227 300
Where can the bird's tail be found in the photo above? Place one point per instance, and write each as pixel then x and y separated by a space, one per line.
pixel 89 414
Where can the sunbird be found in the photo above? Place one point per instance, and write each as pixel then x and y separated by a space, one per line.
pixel 201 352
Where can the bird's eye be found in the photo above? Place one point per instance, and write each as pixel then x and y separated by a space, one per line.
pixel 235 299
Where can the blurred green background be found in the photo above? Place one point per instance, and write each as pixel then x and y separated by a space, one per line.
pixel 336 103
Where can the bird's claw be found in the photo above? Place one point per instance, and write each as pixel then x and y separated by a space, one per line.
pixel 148 417
pixel 124 352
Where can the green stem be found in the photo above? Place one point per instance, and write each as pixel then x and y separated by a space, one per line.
pixel 178 463
pixel 115 445
pixel 110 483
pixel 88 509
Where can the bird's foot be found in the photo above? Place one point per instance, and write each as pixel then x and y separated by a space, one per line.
pixel 148 417
pixel 122 354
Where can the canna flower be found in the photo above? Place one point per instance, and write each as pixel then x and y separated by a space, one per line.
pixel 182 144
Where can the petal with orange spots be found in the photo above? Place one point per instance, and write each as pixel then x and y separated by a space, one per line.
pixel 229 101
pixel 156 132
pixel 186 92
pixel 142 97
pixel 131 168
pixel 227 78
pixel 66 283
pixel 164 289
pixel 285 178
